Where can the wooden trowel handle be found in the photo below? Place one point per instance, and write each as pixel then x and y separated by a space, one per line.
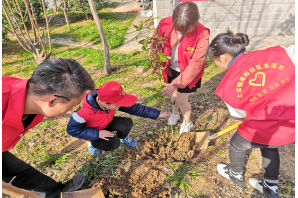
pixel 230 128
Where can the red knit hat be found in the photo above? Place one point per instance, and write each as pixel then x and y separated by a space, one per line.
pixel 112 92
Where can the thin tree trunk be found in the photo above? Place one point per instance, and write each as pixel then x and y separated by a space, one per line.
pixel 65 14
pixel 55 7
pixel 107 64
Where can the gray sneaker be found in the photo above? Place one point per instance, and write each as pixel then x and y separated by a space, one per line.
pixel 75 183
pixel 226 172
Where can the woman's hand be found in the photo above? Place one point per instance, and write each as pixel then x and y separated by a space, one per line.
pixel 169 90
pixel 164 115
pixel 102 134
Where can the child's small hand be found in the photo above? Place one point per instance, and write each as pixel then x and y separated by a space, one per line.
pixel 168 91
pixel 104 133
pixel 164 115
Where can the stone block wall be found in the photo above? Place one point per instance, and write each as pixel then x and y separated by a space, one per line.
pixel 252 17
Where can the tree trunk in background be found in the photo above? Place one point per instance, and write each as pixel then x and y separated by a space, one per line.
pixel 65 14
pixel 55 6
pixel 107 64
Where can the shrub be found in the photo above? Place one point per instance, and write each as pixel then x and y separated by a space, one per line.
pixel 82 6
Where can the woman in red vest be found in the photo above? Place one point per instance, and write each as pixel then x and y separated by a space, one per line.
pixel 258 88
pixel 186 43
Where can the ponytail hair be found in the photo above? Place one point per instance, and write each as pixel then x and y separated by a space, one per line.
pixel 227 43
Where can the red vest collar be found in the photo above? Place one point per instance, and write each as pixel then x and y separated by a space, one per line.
pixel 14 113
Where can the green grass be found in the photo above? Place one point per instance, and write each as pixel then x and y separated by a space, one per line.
pixel 115 26
pixel 288 188
pixel 178 179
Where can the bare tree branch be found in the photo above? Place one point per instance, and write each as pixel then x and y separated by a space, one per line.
pixel 18 28
pixel 13 29
pixel 47 24
pixel 23 21
pixel 8 29
pixel 16 22
pixel 33 24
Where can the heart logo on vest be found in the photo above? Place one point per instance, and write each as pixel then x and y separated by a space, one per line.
pixel 259 79
pixel 190 49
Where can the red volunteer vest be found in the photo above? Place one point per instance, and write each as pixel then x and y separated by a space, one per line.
pixel 186 48
pixel 13 101
pixel 262 83
pixel 95 118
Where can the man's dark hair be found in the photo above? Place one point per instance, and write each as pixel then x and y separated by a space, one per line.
pixel 65 77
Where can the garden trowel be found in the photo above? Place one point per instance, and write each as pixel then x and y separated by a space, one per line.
pixel 203 138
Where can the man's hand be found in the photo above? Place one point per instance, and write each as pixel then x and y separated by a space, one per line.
pixel 164 115
pixel 104 133
pixel 169 90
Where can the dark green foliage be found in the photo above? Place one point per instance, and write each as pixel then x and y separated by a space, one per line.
pixel 82 6
pixel 38 13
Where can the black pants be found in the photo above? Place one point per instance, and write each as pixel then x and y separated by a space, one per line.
pixel 270 156
pixel 175 74
pixel 122 126
pixel 27 177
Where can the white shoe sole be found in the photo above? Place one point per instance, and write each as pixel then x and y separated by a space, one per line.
pixel 221 171
pixel 255 183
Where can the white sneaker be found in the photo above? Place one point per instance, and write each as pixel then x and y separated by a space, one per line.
pixel 226 172
pixel 173 119
pixel 263 187
pixel 186 127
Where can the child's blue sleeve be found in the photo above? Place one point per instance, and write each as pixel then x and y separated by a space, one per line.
pixel 76 128
pixel 141 110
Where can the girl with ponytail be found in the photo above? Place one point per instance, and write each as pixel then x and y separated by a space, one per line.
pixel 186 42
pixel 259 89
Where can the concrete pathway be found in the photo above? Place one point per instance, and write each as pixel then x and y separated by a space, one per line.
pixel 131 44
pixel 126 6
pixel 263 42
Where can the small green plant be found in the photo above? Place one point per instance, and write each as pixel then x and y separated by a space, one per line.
pixel 288 189
pixel 223 140
pixel 180 172
pixel 252 157
pixel 200 193
pixel 208 118
pixel 156 61
pixel 221 153
pixel 102 166
pixel 165 140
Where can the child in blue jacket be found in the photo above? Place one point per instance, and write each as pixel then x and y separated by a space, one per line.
pixel 96 119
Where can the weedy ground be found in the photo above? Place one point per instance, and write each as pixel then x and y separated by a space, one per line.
pixel 148 170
